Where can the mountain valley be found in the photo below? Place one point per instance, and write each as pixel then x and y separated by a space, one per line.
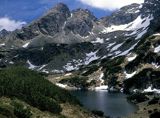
pixel 74 50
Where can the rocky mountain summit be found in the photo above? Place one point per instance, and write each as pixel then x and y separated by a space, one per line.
pixel 63 40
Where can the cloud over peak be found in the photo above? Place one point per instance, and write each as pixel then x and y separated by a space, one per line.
pixel 9 24
pixel 109 4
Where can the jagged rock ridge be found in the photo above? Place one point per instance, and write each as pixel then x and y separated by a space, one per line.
pixel 54 42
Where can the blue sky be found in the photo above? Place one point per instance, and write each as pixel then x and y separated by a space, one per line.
pixel 28 10
pixel 15 13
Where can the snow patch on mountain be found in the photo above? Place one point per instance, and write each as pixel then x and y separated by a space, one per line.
pixel 31 66
pixel 102 87
pixel 61 85
pixel 11 62
pixel 57 71
pixel 75 64
pixel 157 34
pixel 101 78
pixel 42 67
pixel 139 23
pixel 69 67
pixel 111 44
pixel 68 74
pixel 129 75
pixel 131 58
pixel 155 65
pixel 98 40
pixel 117 52
pixel 91 57
pixel 2 44
pixel 116 47
pixel 26 45
pixel 114 28
pixel 157 49
pixel 45 71
pixel 151 89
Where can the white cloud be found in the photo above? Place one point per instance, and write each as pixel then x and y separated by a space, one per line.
pixel 9 24
pixel 109 4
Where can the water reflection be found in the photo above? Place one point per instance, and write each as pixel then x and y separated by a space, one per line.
pixel 112 104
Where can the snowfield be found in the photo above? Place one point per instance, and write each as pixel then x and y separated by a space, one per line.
pixel 138 27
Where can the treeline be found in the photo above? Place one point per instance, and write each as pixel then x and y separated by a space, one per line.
pixel 32 88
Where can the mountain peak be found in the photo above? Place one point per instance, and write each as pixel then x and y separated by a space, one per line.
pixel 61 7
pixel 84 13
pixel 124 15
pixel 3 33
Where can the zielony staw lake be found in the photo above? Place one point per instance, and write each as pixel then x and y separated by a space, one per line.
pixel 112 104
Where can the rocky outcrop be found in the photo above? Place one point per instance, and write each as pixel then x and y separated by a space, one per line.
pixel 122 16
pixel 3 33
pixel 81 22
pixel 50 24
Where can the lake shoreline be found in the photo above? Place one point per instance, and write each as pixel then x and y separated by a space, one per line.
pixel 105 101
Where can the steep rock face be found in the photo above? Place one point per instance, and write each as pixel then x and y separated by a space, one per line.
pixel 3 33
pixel 81 22
pixel 125 15
pixel 49 24
pixel 151 7
pixel 58 25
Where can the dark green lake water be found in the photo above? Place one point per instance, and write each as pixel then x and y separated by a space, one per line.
pixel 112 104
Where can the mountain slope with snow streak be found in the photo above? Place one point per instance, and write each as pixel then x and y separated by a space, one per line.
pixel 81 38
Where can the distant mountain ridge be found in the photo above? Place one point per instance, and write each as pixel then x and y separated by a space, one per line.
pixel 63 40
